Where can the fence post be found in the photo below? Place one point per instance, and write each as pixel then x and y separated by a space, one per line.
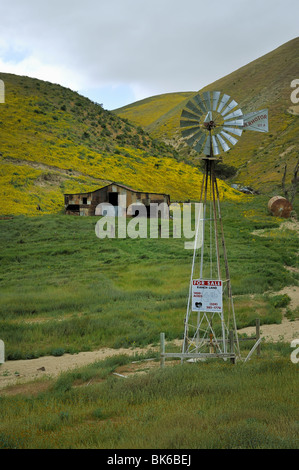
pixel 162 349
pixel 2 352
pixel 231 345
pixel 257 325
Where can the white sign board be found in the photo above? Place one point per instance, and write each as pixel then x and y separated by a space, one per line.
pixel 206 295
pixel 257 121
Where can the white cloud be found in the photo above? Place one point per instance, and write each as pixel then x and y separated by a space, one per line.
pixel 32 67
pixel 145 47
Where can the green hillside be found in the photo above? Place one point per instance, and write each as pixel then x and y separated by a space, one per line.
pixel 148 111
pixel 54 141
pixel 264 83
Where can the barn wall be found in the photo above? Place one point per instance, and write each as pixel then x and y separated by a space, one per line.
pixel 93 199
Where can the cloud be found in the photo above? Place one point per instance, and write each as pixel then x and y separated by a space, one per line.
pixel 141 47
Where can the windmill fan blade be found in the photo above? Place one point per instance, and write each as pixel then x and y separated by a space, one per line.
pixel 189 123
pixel 216 96
pixel 223 143
pixel 188 132
pixel 231 106
pixel 189 115
pixel 216 150
pixel 236 122
pixel 200 103
pixel 200 143
pixel 223 102
pixel 190 105
pixel 231 139
pixel 208 117
pixel 194 138
pixel 207 100
pixel 233 130
pixel 233 114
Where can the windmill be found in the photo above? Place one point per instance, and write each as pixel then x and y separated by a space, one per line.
pixel 211 123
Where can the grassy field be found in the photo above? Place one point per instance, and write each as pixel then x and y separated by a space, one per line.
pixel 207 406
pixel 124 292
pixel 65 290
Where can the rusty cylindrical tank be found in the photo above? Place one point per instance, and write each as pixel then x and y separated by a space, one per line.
pixel 280 207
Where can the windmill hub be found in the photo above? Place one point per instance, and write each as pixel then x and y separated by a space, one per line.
pixel 210 125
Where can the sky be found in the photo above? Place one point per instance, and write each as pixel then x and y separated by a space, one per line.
pixel 117 52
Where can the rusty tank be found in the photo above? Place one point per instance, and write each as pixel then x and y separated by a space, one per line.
pixel 280 207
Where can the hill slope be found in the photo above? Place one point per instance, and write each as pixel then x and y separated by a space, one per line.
pixel 54 141
pixel 263 83
pixel 148 112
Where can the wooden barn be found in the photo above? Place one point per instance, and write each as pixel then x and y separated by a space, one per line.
pixel 116 195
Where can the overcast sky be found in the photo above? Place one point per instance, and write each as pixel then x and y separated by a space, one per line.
pixel 120 51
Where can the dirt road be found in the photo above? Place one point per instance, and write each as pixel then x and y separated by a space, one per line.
pixel 21 371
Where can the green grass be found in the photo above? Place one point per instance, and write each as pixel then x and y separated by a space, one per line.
pixel 192 406
pixel 64 289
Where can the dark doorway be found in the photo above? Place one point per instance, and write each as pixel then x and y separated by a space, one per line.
pixel 73 209
pixel 113 199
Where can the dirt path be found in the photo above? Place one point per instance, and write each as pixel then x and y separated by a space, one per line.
pixel 22 371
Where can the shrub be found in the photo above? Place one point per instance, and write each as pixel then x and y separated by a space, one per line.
pixel 58 352
pixel 280 301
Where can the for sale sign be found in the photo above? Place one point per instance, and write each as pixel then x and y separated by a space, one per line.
pixel 206 295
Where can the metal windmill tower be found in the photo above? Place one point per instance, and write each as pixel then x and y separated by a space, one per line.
pixel 209 124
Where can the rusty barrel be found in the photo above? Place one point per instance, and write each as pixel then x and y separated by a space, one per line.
pixel 280 207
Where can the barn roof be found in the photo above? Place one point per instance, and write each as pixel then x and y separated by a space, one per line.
pixel 116 184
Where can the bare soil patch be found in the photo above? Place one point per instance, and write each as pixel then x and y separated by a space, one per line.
pixel 23 371
pixel 291 224
pixel 141 367
pixel 287 330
